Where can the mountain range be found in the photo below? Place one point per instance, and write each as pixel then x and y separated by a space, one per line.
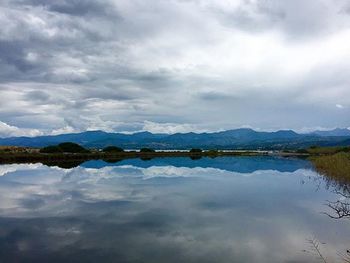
pixel 243 138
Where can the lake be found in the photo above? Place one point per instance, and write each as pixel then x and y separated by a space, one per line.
pixel 226 209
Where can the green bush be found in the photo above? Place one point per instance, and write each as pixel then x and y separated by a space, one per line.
pixel 71 147
pixel 213 153
pixel 147 150
pixel 195 150
pixel 51 149
pixel 68 147
pixel 345 149
pixel 302 151
pixel 112 149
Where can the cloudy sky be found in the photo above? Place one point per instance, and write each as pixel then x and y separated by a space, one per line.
pixel 173 66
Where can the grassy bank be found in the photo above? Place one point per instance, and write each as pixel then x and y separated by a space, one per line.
pixel 314 150
pixel 335 166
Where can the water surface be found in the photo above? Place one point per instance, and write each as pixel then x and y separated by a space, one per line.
pixel 227 209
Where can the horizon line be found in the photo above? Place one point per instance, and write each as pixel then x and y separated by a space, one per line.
pixel 195 132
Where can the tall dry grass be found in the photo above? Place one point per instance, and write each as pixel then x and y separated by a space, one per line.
pixel 336 166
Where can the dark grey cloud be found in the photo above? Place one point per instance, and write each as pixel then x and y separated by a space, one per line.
pixel 12 54
pixel 173 65
pixel 74 7
pixel 216 96
pixel 37 95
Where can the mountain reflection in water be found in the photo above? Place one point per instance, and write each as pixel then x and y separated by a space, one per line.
pixel 230 209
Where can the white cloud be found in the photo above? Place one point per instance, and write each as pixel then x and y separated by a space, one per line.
pixel 7 130
pixel 10 168
pixel 66 129
pixel 169 128
pixel 339 106
pixel 91 185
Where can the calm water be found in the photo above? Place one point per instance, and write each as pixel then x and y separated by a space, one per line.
pixel 232 209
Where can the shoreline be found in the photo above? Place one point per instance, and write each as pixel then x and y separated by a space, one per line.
pixel 8 158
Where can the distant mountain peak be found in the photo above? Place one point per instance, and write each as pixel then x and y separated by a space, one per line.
pixel 95 132
pixel 142 132
pixel 236 138
pixel 334 132
pixel 287 132
pixel 341 129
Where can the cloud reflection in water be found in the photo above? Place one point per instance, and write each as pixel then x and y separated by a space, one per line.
pixel 162 213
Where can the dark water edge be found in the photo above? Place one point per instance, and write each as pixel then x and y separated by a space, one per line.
pixel 7 158
pixel 225 209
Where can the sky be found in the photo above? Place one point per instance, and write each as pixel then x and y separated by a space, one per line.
pixel 173 65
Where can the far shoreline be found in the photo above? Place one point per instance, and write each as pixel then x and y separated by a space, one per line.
pixel 8 158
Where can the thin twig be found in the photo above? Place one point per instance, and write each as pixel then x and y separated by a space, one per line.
pixel 316 246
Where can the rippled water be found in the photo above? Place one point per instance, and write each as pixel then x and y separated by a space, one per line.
pixel 230 209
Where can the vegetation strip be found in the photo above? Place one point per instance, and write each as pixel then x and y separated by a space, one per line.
pixel 331 161
pixel 37 157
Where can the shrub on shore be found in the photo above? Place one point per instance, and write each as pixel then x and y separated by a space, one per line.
pixel 302 151
pixel 147 150
pixel 112 149
pixel 213 153
pixel 195 150
pixel 71 147
pixel 65 147
pixel 51 149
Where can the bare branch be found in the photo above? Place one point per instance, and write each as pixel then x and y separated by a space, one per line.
pixel 316 247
